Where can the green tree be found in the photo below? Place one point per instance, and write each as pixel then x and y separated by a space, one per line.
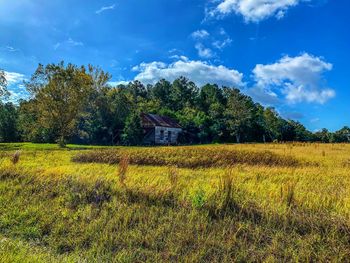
pixel 323 136
pixel 238 113
pixel 161 91
pixel 272 121
pixel 183 94
pixel 133 133
pixel 343 135
pixel 8 123
pixel 95 122
pixel 3 84
pixel 60 94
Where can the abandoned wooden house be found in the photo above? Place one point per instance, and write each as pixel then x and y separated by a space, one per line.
pixel 160 129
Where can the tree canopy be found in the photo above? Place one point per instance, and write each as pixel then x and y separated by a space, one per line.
pixel 3 84
pixel 68 103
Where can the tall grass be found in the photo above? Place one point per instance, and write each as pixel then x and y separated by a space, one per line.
pixel 15 157
pixel 246 207
pixel 188 157
pixel 122 169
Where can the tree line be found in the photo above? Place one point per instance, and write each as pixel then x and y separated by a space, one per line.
pixel 75 104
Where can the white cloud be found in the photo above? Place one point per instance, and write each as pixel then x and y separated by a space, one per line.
pixel 298 79
pixel 179 57
pixel 68 43
pixel 204 52
pixel 222 44
pixel 255 10
pixel 13 77
pixel 116 83
pixel 197 71
pixel 15 86
pixel 9 49
pixel 105 8
pixel 200 34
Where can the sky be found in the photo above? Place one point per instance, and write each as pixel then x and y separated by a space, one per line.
pixel 290 54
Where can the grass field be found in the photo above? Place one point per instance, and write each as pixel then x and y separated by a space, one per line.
pixel 217 203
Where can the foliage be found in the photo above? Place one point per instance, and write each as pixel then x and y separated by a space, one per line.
pixel 132 133
pixel 8 123
pixel 77 105
pixel 59 95
pixel 3 84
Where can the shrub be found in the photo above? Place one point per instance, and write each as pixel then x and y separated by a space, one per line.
pixel 15 157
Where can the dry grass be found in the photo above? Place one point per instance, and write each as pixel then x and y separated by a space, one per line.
pixel 15 157
pixel 188 157
pixel 122 169
pixel 263 211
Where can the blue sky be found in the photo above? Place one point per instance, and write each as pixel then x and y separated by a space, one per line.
pixel 290 54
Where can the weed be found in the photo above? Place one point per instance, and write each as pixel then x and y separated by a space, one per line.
pixel 122 169
pixel 173 175
pixel 15 157
pixel 288 194
pixel 199 198
pixel 225 193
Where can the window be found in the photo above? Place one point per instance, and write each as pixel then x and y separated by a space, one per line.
pixel 161 135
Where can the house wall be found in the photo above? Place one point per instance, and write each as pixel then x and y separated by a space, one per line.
pixel 165 140
pixel 149 136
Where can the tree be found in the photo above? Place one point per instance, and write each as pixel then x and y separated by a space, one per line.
pixel 60 94
pixel 324 136
pixel 238 113
pixel 343 135
pixel 94 125
pixel 301 134
pixel 272 121
pixel 3 84
pixel 8 123
pixel 132 133
pixel 161 91
pixel 183 94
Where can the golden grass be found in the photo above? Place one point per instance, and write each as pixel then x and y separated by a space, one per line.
pixel 246 212
pixel 188 157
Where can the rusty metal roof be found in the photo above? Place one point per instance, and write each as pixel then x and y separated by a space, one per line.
pixel 153 120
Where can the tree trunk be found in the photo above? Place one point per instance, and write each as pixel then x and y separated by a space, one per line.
pixel 61 142
pixel 238 138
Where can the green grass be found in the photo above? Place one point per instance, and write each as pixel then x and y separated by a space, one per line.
pixel 56 210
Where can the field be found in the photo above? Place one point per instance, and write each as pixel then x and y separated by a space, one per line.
pixel 211 203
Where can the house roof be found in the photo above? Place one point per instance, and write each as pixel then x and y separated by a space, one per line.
pixel 153 120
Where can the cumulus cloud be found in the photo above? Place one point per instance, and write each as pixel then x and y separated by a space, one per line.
pixel 200 34
pixel 255 10
pixel 198 71
pixel 298 79
pixel 104 8
pixel 116 83
pixel 15 85
pixel 14 77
